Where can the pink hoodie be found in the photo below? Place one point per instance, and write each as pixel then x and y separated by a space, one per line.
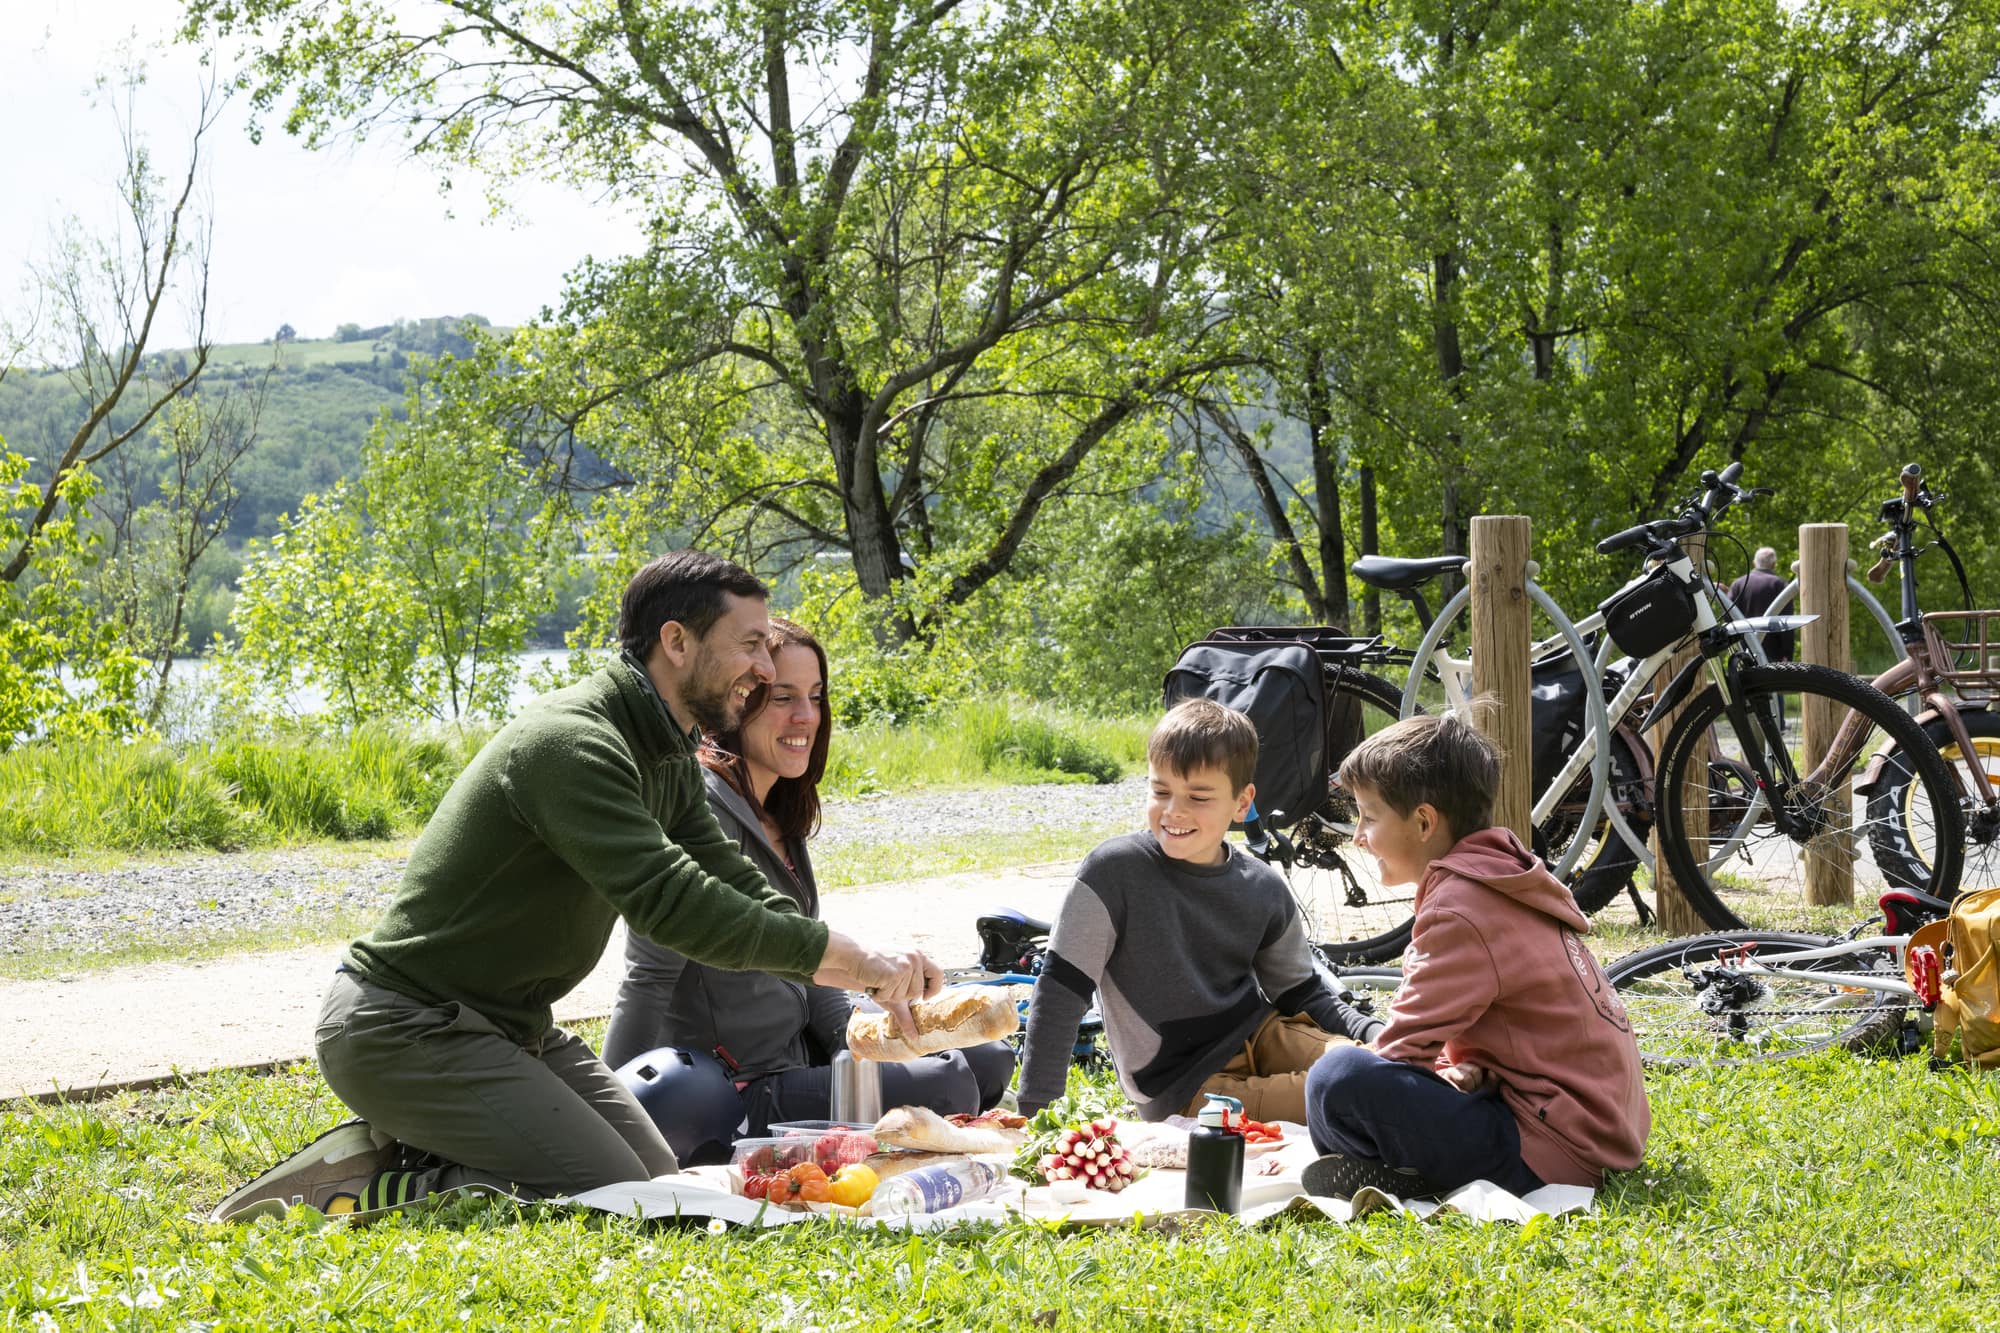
pixel 1497 975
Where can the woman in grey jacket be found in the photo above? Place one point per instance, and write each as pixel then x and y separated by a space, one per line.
pixel 777 1036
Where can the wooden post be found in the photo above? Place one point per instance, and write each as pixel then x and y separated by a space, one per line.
pixel 1823 593
pixel 1676 915
pixel 1501 635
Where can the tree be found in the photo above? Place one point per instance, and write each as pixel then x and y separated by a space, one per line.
pixel 156 545
pixel 286 333
pixel 409 594
pixel 1554 258
pixel 102 301
pixel 869 220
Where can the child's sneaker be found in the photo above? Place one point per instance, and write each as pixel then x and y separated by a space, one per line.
pixel 1338 1176
pixel 331 1173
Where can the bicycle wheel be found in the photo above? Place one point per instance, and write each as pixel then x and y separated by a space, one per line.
pixel 1736 860
pixel 1688 1004
pixel 1351 915
pixel 1899 811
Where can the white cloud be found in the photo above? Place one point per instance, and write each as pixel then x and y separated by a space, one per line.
pixel 353 232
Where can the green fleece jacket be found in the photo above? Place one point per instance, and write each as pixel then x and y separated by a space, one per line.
pixel 586 807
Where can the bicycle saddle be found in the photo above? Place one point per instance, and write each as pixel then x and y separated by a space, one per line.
pixel 1380 571
pixel 1008 917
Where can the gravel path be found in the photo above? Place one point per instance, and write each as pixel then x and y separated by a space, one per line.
pixel 215 894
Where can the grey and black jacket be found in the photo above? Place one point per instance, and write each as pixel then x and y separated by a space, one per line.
pixel 764 1023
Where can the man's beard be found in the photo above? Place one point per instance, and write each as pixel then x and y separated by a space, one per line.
pixel 711 701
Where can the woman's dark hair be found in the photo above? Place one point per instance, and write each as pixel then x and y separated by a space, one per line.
pixel 793 803
pixel 687 586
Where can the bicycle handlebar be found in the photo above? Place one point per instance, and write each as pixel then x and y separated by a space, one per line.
pixel 1718 491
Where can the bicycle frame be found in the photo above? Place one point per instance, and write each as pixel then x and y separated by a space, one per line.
pixel 1749 964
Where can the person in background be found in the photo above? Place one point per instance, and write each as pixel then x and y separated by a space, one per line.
pixel 777 1036
pixel 1753 594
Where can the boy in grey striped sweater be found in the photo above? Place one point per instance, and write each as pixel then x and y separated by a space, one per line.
pixel 1194 948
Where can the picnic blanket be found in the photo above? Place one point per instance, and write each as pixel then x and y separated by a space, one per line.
pixel 1271 1188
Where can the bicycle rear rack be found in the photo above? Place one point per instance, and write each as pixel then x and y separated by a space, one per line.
pixel 1965 651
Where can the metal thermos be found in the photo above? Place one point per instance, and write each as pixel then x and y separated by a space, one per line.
pixel 1215 1157
pixel 857 1090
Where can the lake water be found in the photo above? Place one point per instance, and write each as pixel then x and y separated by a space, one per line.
pixel 192 673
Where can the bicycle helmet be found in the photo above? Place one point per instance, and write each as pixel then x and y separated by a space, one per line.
pixel 692 1100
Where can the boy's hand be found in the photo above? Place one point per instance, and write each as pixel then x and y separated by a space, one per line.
pixel 1466 1078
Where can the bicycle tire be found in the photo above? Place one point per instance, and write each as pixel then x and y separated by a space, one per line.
pixel 1362 920
pixel 1678 1021
pixel 1895 805
pixel 1768 889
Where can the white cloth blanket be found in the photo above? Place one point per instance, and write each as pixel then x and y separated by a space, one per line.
pixel 1271 1187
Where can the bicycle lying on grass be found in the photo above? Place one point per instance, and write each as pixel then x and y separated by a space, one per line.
pixel 1743 996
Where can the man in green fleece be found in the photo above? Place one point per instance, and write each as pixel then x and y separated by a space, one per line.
pixel 587 807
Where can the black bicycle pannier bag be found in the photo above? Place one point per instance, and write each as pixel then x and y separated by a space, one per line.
pixel 1283 690
pixel 1650 613
pixel 1557 714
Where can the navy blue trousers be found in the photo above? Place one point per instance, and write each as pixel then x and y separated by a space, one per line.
pixel 1362 1105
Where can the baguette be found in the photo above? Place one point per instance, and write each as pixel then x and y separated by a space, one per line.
pixel 961 1016
pixel 922 1129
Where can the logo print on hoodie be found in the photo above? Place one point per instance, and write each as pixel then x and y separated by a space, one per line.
pixel 1594 985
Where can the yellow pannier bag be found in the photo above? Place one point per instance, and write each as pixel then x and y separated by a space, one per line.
pixel 1969 1000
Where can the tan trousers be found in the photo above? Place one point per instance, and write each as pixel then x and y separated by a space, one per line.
pixel 1269 1074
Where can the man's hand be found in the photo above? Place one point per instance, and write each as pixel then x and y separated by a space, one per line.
pixel 891 979
pixel 1466 1078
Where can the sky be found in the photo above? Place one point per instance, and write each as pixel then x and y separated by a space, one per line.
pixel 352 233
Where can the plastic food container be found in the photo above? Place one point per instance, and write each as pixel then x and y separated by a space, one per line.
pixel 785 1127
pixel 830 1148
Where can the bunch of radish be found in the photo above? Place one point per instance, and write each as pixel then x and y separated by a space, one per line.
pixel 1090 1155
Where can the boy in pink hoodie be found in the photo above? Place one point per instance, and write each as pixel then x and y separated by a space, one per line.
pixel 1507 1056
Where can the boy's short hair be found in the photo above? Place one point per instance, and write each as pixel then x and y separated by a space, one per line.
pixel 1444 762
pixel 1201 733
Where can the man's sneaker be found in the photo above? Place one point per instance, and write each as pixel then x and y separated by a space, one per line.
pixel 332 1174
pixel 1338 1176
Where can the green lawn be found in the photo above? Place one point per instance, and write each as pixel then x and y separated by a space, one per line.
pixel 1834 1193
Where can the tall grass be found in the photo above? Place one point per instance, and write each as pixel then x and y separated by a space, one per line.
pixel 233 792
pixel 1001 740
pixel 258 789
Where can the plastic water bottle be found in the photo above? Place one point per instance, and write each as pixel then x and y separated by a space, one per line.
pixel 1215 1157
pixel 932 1189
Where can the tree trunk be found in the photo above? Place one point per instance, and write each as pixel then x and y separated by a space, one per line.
pixel 1326 491
pixel 1371 597
pixel 1274 511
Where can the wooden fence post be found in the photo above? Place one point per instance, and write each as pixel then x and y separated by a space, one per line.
pixel 1823 593
pixel 1676 915
pixel 1501 634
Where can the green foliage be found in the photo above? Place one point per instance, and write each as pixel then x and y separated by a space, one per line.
pixel 1004 739
pixel 65 671
pixel 409 594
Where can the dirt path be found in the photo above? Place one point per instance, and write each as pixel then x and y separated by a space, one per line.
pixel 152 1021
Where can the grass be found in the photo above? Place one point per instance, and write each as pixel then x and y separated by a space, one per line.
pixel 229 793
pixel 76 799
pixel 851 864
pixel 991 742
pixel 1829 1193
